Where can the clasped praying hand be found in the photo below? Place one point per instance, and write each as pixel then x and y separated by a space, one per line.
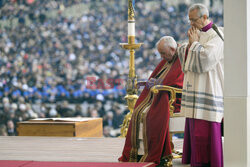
pixel 193 35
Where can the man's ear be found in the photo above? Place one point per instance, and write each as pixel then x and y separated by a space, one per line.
pixel 172 49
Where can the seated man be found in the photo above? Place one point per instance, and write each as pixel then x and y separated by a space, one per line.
pixel 148 137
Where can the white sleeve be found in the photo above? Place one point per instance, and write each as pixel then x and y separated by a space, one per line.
pixel 203 58
pixel 181 50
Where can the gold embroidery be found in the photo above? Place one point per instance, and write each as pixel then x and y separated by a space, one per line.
pixel 145 142
pixel 136 118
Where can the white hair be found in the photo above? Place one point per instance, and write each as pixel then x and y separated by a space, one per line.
pixel 202 9
pixel 168 42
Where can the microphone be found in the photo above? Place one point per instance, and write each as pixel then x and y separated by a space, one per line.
pixel 215 28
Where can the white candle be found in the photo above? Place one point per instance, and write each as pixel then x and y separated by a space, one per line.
pixel 131 28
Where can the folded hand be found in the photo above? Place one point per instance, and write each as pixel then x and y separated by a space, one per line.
pixel 193 35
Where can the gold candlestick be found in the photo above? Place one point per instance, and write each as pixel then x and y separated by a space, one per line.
pixel 131 96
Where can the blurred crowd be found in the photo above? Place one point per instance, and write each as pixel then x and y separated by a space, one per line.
pixel 46 62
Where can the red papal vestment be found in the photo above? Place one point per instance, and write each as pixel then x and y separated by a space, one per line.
pixel 155 119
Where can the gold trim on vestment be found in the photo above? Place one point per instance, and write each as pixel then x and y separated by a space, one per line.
pixel 137 116
pixel 145 142
pixel 144 116
pixel 134 134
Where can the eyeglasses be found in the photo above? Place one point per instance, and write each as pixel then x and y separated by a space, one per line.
pixel 194 20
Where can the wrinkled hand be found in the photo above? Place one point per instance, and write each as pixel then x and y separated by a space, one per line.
pixel 193 35
pixel 151 82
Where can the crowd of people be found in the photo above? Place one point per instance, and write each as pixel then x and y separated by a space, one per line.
pixel 48 65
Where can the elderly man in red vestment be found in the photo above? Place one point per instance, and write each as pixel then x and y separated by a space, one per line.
pixel 148 137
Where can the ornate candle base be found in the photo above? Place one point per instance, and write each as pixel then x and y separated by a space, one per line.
pixel 131 100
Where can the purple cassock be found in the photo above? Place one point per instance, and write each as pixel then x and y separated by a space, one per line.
pixel 202 140
pixel 202 145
